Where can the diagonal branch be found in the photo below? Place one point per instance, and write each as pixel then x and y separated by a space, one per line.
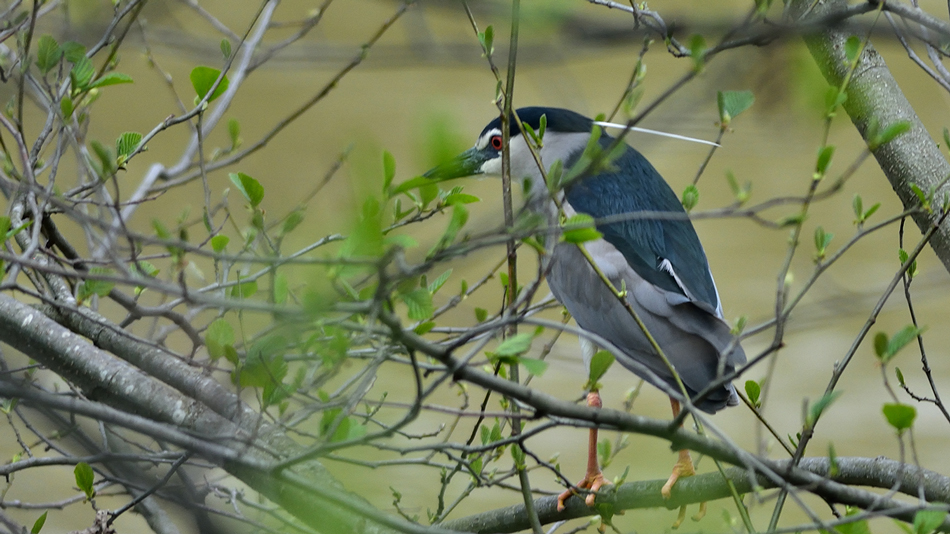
pixel 875 101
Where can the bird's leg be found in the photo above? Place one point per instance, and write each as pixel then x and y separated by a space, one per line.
pixel 682 469
pixel 594 479
pixel 684 466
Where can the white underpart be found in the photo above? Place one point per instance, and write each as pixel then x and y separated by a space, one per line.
pixel 556 145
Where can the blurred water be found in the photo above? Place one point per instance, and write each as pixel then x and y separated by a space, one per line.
pixel 423 73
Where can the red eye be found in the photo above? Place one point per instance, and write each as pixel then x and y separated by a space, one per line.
pixel 495 142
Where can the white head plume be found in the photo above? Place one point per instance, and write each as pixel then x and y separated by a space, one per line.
pixel 654 132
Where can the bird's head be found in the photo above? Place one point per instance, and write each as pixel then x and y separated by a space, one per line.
pixel 566 133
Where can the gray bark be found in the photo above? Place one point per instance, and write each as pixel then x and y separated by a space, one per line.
pixel 874 97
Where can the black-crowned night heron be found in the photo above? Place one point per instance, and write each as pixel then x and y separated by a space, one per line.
pixel 658 261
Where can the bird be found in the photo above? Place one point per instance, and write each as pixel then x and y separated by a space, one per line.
pixel 656 265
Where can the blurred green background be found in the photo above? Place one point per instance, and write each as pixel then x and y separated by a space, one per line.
pixel 425 85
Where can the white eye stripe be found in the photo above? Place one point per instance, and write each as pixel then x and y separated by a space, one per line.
pixel 486 137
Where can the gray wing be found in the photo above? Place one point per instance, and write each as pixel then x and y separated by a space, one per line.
pixel 692 338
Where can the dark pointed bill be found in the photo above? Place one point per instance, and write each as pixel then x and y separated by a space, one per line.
pixel 465 164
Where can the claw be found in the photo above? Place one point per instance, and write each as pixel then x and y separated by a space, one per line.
pixel 682 469
pixel 679 518
pixel 701 513
pixel 591 482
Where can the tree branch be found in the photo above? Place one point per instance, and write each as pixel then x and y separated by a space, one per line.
pixel 873 472
pixel 875 101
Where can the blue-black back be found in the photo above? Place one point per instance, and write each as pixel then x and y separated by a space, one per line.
pixel 634 186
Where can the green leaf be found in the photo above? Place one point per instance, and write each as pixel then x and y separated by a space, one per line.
pixel 226 48
pixel 832 461
pixel 91 287
pixel 231 355
pixel 481 314
pixel 880 344
pixel 66 106
pixel 48 54
pixel 476 464
pixel 160 230
pixel 833 99
pixel 142 268
pixel 580 228
pixel 900 376
pixel 234 133
pixel 742 193
pixel 912 268
pixel 899 341
pixel 366 238
pixel 495 434
pixel 106 159
pixel 824 160
pixel 244 290
pixel 924 200
pixel 886 349
pixel 697 51
pixel 84 479
pixel 604 449
pixel 486 38
pixel 424 328
pixel 753 390
pixel 822 240
pixel 518 455
pixel 437 284
pixel 413 183
pixel 281 288
pixel 73 51
pixel 732 103
pixel 599 364
pixel 927 521
pixel 900 416
pixel 460 198
pixel 515 345
pixel 217 336
pixel 533 365
pixel 892 131
pixel 111 78
pixel 854 527
pixel 852 47
pixel 265 363
pixel 38 524
pixel 419 303
pixel 459 218
pixel 389 170
pixel 219 243
pixel 739 325
pixel 348 429
pixel 820 406
pixel 203 78
pixel 252 190
pixel 81 74
pixel 292 221
pixel 690 197
pixel 127 143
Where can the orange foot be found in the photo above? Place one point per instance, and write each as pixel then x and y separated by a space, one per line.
pixel 591 482
pixel 682 469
